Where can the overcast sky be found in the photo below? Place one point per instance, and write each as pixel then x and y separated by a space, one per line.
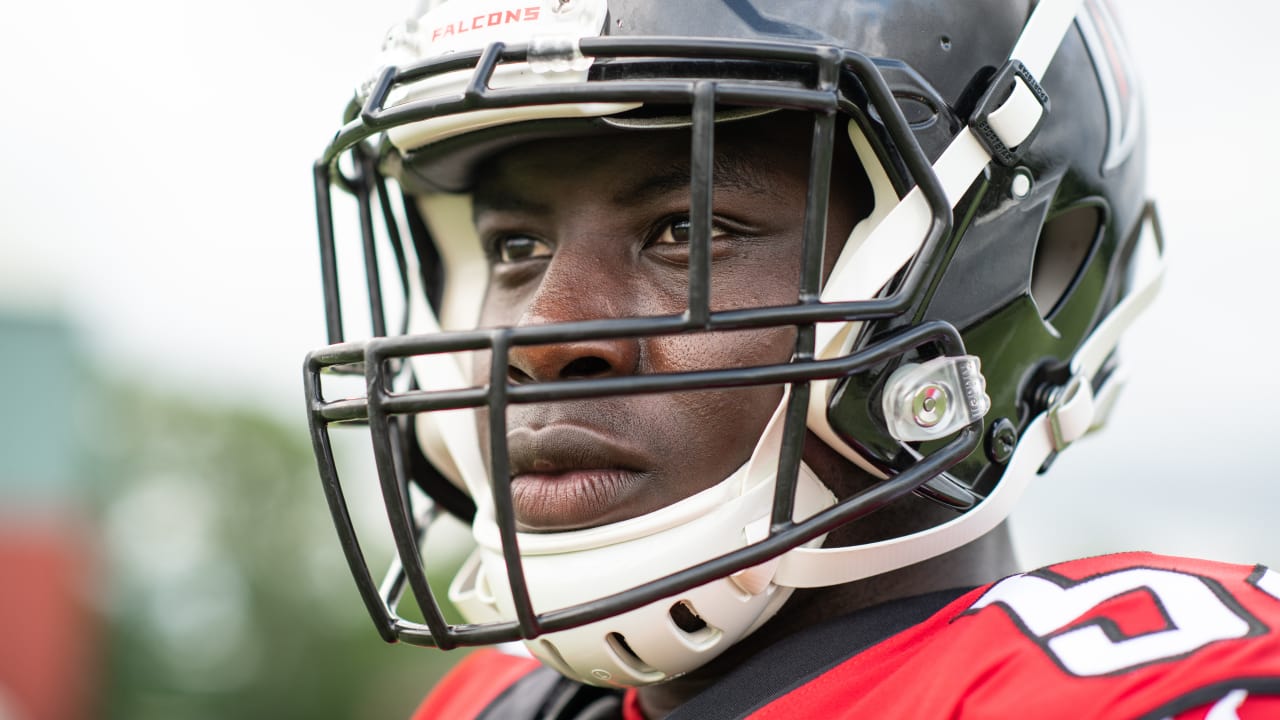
pixel 156 189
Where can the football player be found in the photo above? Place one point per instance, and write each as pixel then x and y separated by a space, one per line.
pixel 735 329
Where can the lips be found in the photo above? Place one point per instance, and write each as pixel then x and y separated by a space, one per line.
pixel 567 476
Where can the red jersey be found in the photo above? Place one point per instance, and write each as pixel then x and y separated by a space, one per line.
pixel 1114 637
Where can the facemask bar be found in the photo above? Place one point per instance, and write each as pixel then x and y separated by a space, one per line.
pixel 381 355
pixel 381 405
pixel 366 183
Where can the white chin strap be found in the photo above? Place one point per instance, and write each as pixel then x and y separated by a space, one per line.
pixel 889 247
pixel 864 268
pixel 1075 411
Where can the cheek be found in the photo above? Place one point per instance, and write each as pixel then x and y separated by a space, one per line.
pixel 499 307
pixel 706 351
pixel 714 432
pixel 763 276
pixel 480 364
pixel 723 423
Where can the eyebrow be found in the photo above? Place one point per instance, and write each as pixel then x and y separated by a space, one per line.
pixel 501 199
pixel 729 172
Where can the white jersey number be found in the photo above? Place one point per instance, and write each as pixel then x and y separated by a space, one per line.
pixel 1196 617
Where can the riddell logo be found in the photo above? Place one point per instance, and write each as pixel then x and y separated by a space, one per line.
pixel 479 22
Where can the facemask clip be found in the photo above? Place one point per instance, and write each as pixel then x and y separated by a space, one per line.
pixel 934 399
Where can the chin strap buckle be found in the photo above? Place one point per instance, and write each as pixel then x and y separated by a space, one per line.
pixel 1071 412
pixel 1005 122
pixel 1075 408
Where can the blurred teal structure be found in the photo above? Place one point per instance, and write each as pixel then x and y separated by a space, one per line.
pixel 50 657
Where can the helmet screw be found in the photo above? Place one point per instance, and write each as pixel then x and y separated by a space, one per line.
pixel 1020 186
pixel 1001 440
pixel 929 406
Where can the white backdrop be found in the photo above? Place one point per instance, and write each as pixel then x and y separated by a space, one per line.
pixel 155 186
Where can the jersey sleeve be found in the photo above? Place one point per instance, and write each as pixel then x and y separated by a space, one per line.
pixel 473 684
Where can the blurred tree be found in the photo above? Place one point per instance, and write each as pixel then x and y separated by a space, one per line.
pixel 226 592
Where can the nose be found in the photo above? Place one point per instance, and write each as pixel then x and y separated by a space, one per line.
pixel 567 297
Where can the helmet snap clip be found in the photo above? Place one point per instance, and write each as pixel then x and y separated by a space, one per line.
pixel 1003 122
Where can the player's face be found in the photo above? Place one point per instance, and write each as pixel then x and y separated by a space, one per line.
pixel 598 228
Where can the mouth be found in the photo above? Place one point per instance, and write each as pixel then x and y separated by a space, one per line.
pixel 567 477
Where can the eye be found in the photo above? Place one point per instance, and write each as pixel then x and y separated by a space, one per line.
pixel 515 248
pixel 680 230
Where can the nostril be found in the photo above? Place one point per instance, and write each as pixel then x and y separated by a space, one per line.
pixel 585 367
pixel 571 361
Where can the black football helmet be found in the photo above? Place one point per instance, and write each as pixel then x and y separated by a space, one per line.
pixel 964 337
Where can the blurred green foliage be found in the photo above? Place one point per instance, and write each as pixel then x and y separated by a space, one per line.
pixel 224 588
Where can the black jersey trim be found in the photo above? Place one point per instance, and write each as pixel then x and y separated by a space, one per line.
pixel 545 694
pixel 790 663
pixel 523 698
